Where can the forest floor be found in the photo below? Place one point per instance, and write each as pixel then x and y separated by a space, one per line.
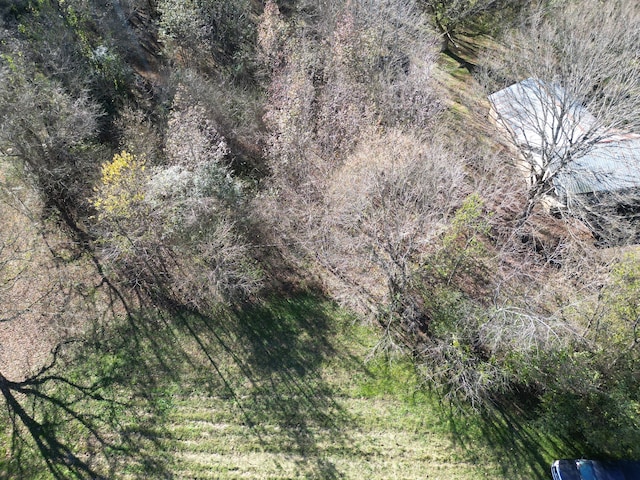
pixel 47 293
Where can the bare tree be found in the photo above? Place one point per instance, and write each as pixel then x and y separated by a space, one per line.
pixel 372 68
pixel 386 211
pixel 49 134
pixel 210 34
pixel 575 109
pixel 342 79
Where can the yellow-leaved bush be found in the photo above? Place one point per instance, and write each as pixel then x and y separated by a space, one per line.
pixel 122 186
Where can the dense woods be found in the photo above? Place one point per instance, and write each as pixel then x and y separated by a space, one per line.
pixel 168 159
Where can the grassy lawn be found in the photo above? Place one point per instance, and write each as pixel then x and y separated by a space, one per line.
pixel 281 390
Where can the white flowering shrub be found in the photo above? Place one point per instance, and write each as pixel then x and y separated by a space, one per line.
pixel 178 237
pixel 197 155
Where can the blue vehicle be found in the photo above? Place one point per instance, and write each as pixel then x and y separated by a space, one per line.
pixel 595 470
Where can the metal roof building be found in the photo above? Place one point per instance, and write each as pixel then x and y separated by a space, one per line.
pixel 535 112
pixel 538 116
pixel 608 167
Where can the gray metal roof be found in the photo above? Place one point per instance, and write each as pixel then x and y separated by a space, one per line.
pixel 535 112
pixel 608 167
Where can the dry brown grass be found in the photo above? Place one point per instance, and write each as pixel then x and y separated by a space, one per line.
pixel 46 293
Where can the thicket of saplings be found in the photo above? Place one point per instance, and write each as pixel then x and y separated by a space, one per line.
pixel 217 151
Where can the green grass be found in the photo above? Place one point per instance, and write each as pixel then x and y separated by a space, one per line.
pixel 281 390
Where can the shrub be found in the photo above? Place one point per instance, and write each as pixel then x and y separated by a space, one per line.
pixel 121 189
pixel 170 230
pixel 210 34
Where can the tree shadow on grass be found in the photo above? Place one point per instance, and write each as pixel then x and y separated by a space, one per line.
pixel 525 436
pixel 279 348
pixel 506 434
pixel 103 409
pixel 73 425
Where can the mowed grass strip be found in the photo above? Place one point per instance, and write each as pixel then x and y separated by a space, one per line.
pixel 280 390
pixel 371 443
